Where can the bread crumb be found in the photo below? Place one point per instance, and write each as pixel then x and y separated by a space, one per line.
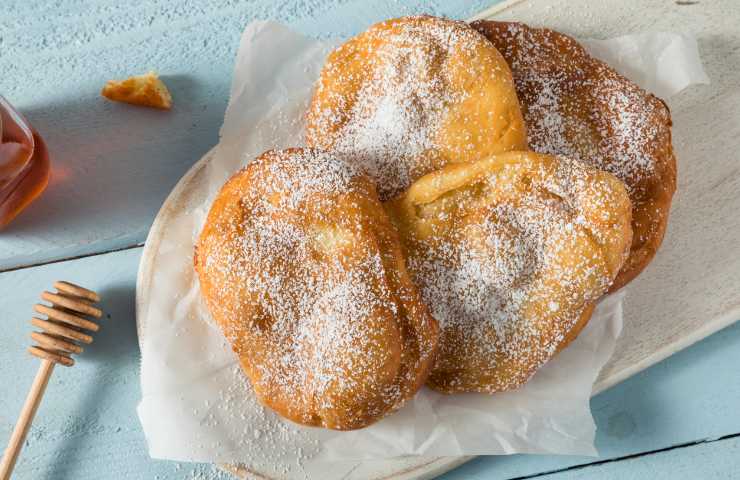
pixel 145 90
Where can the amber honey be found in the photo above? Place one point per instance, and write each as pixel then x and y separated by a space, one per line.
pixel 24 163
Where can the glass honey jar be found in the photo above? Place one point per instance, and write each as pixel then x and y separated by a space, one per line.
pixel 24 163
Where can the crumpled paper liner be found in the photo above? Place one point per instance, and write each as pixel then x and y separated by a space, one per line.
pixel 198 406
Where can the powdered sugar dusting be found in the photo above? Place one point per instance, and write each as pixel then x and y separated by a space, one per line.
pixel 294 177
pixel 579 107
pixel 304 293
pixel 395 118
pixel 268 443
pixel 511 279
pixel 392 124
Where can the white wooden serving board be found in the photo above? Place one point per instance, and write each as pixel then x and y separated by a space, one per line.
pixel 692 288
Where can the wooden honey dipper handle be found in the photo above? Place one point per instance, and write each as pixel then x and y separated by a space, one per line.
pixel 26 417
pixel 62 328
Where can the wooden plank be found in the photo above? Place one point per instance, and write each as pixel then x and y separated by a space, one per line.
pixel 691 288
pixel 113 165
pixel 86 426
pixel 664 406
pixel 654 309
pixel 87 423
pixel 718 459
pixel 665 310
pixel 72 445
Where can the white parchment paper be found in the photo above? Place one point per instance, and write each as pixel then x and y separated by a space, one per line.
pixel 197 405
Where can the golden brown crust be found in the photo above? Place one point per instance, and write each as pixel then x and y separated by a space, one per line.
pixel 301 268
pixel 576 329
pixel 577 106
pixel 145 90
pixel 412 94
pixel 510 253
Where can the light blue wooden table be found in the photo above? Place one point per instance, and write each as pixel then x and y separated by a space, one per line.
pixel 113 167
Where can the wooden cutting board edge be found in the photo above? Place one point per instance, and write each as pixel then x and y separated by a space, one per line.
pixel 428 468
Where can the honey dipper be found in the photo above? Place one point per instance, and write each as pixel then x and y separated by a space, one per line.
pixel 63 328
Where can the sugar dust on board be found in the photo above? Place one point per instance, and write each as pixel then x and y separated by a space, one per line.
pixel 24 163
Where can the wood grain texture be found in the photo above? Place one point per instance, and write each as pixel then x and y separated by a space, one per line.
pixel 87 427
pixel 28 411
pixel 656 409
pixel 665 310
pixel 664 306
pixel 693 284
pixel 113 164
pixel 716 459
